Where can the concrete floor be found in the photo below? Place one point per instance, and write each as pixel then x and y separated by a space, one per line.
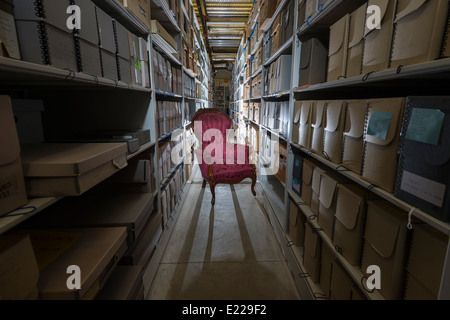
pixel 225 252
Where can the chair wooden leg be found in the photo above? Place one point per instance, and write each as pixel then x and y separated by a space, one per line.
pixel 213 186
pixel 253 185
pixel 204 184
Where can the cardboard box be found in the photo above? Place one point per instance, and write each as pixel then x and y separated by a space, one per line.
pixel 297 222
pixel 94 250
pixel 313 62
pixel 378 42
pixel 420 28
pixel 276 37
pixel 318 125
pixel 69 169
pixel 135 59
pixel 296 122
pixel 307 174
pixel 352 145
pixel 19 272
pixel 356 44
pixel 425 262
pixel 122 52
pixel 125 283
pixel 266 10
pixel 287 21
pixel 283 73
pixel 311 254
pixel 89 60
pixel 341 283
pixel 327 259
pixel 297 174
pixel 381 141
pixel 281 174
pixel 329 183
pixel 107 45
pixel 423 174
pixel 385 244
pixel 9 43
pixel 306 122
pixel 333 133
pixel 157 29
pixel 337 54
pixel 349 226
pixel 58 49
pixel 140 9
pixel 13 193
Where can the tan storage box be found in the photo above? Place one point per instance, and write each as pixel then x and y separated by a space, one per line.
pixel 381 137
pixel 352 148
pixel 94 250
pixel 335 122
pixel 341 283
pixel 327 259
pixel 311 256
pixel 315 187
pixel 307 173
pixel 378 42
pixel 297 221
pixel 306 122
pixel 420 27
pixel 356 42
pixel 140 9
pixel 19 272
pixel 296 123
pixel 156 28
pixel 318 126
pixel 425 263
pixel 69 169
pixel 350 218
pixel 13 193
pixel 337 54
pixel 385 243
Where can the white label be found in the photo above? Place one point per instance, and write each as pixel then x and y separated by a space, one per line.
pixel 8 35
pixel 423 188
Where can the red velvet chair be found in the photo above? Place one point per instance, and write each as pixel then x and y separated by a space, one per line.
pixel 233 168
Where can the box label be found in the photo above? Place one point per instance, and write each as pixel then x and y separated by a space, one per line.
pixel 425 125
pixel 423 188
pixel 379 124
pixel 8 35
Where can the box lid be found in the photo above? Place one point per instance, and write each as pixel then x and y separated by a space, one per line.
pixel 312 243
pixel 383 5
pixel 348 207
pixel 316 180
pixel 305 57
pixel 92 252
pixel 384 221
pixel 337 35
pixel 356 112
pixel 412 6
pixel 9 140
pixel 305 112
pixel 334 115
pixel 358 21
pixel 319 114
pixel 308 168
pixel 327 191
pixel 69 159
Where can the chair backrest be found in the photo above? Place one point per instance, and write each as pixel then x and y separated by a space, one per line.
pixel 211 119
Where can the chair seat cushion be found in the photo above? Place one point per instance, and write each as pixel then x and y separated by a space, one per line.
pixel 231 172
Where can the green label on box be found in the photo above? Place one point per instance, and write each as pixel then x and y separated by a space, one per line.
pixel 379 124
pixel 425 125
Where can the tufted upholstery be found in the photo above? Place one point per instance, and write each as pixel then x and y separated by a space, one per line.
pixel 210 127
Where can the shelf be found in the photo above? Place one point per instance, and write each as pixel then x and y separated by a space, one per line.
pixel 424 76
pixel 273 132
pixel 255 98
pixel 189 72
pixel 20 72
pixel 165 182
pixel 257 44
pixel 256 73
pixel 161 93
pixel 282 49
pixel 119 12
pixel 277 95
pixel 167 135
pixel 165 48
pixel 444 227
pixel 355 272
pixel 167 13
pixel 141 149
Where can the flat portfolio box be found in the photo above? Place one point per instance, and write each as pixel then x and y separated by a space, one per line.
pixel 419 31
pixel 143 248
pixel 9 43
pixel 297 221
pixel 356 42
pixel 13 193
pixel 378 41
pixel 385 241
pixel 313 62
pixel 69 169
pixel 327 259
pixel 94 250
pixel 352 143
pixel 122 52
pixel 425 263
pixel 423 177
pixel 89 61
pixel 306 122
pixel 43 34
pixel 119 210
pixel 350 218
pixel 297 174
pixel 381 141
pixel 307 174
pixel 311 254
pixel 329 183
pixel 125 283
pixel 107 45
pixel 337 52
pixel 333 133
pixel 341 283
pixel 19 272
pixel 318 119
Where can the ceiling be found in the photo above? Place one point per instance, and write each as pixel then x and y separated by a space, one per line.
pixel 224 22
